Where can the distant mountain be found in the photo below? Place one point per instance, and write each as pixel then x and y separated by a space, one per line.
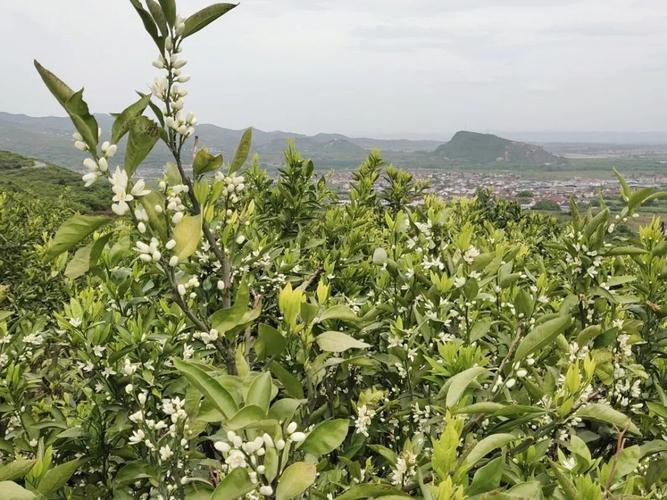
pixel 472 148
pixel 50 138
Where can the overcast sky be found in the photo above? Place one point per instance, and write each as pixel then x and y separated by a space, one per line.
pixel 375 67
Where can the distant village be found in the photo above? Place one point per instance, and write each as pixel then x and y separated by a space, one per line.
pixel 528 192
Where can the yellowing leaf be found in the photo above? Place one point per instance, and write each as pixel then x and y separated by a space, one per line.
pixel 187 235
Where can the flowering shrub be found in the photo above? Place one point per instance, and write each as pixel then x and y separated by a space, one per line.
pixel 231 336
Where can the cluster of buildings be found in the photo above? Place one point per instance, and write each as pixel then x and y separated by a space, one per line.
pixel 527 191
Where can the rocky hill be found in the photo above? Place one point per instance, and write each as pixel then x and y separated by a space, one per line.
pixel 472 148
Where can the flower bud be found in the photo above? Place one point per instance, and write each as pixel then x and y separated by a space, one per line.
pixel 170 244
pixel 221 446
pixel 142 398
pixel 90 164
pixel 173 261
pixel 291 427
pixel 298 437
pixel 81 146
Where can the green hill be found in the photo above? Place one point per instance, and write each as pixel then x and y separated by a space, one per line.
pixel 473 148
pixel 50 183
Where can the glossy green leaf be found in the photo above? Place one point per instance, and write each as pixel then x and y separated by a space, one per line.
pixel 234 485
pixel 295 480
pixel 206 162
pixel 242 151
pixel 326 437
pixel 542 335
pixel 124 119
pixel 144 134
pixel 16 469
pixel 208 386
pixel 57 477
pixel 606 414
pixel 484 447
pixel 334 341
pixel 73 103
pixel 259 392
pixel 204 17
pixel 74 231
pixel 460 382
pixel 12 491
pixel 187 234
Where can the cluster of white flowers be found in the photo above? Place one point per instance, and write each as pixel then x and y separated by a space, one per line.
pixel 175 204
pixel 167 88
pixel 208 338
pixel 149 252
pixel 405 468
pixel 364 419
pixel 183 288
pixel 95 167
pixel 119 184
pixel 471 254
pixel 234 185
pixel 238 453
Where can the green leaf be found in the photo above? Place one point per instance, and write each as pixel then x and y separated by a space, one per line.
pixel 242 151
pixel 460 382
pixel 246 416
pixel 487 477
pixel 259 393
pixel 296 479
pixel 204 17
pixel 606 414
pixel 236 484
pixel 169 9
pixel 284 409
pixel 484 447
pixel 158 16
pixel 326 437
pixel 187 234
pixel 338 342
pixel 131 472
pixel 80 263
pixel 73 231
pixel 149 24
pixel 12 491
pixel 340 312
pixel 144 133
pixel 290 382
pixel 205 162
pixel 16 469
pixel 270 341
pixel 56 478
pixel 121 124
pixel 73 103
pixel 541 336
pixel 365 491
pixel 208 386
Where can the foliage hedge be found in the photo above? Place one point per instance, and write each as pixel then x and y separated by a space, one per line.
pixel 227 335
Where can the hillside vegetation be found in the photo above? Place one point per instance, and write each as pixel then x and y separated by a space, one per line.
pixel 48 183
pixel 226 335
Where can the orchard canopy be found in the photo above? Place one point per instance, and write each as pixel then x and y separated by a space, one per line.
pixel 220 333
